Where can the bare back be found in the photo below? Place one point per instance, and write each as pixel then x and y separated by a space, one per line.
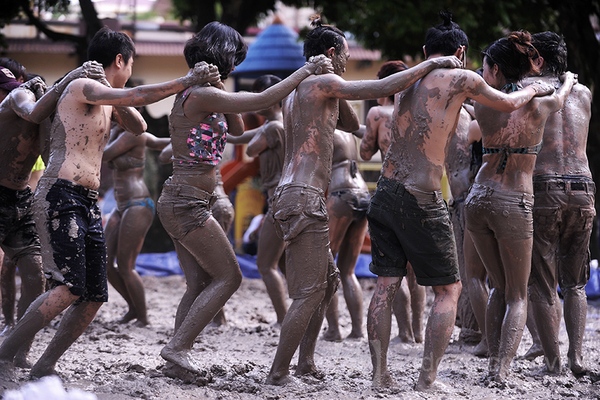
pixel 20 146
pixel 79 133
pixel 425 115
pixel 309 119
pixel 521 128
pixel 565 137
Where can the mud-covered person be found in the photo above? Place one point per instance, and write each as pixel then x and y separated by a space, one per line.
pixel 563 214
pixel 425 116
pixel 347 202
pixel 499 206
pixel 65 205
pixel 130 221
pixel 199 122
pixel 311 114
pixel 21 120
pixel 409 302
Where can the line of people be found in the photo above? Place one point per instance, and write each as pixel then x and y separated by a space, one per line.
pixel 306 151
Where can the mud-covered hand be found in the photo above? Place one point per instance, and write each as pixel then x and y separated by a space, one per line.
pixel 201 73
pixel 35 85
pixel 542 88
pixel 447 62
pixel 321 64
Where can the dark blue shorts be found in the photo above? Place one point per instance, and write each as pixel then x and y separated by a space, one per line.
pixel 73 246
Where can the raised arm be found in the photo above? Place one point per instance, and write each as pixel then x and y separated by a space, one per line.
pixel 92 92
pixel 213 99
pixel 373 89
pixel 37 111
pixel 557 100
pixel 478 90
pixel 130 119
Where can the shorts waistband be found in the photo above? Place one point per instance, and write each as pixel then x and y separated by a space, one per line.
pixel 566 184
pixel 489 191
pixel 399 188
pixel 16 193
pixel 178 189
pixel 82 190
pixel 282 188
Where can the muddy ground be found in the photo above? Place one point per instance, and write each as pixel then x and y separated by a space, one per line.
pixel 115 361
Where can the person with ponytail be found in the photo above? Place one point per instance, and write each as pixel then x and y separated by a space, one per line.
pixel 500 202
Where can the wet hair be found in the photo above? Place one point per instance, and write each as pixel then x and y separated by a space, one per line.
pixel 446 37
pixel 31 75
pixel 514 55
pixel 553 49
pixel 17 69
pixel 107 44
pixel 391 67
pixel 216 44
pixel 264 82
pixel 322 37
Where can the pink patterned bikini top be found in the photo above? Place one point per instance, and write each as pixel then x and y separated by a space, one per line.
pixel 204 141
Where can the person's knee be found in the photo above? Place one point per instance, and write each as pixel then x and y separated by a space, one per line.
pixel 573 291
pixel 451 291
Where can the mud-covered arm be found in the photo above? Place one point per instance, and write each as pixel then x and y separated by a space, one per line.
pixel 347 120
pixel 216 100
pixel 165 155
pixel 369 145
pixel 156 143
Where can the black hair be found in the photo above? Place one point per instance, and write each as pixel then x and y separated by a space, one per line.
pixel 391 67
pixel 17 69
pixel 216 44
pixel 264 82
pixel 514 55
pixel 553 49
pixel 322 37
pixel 446 37
pixel 107 44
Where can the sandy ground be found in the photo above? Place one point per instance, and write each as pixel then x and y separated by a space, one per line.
pixel 116 361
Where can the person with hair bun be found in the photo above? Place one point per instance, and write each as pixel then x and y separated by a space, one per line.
pixel 500 202
pixel 409 303
pixel 312 112
pixel 408 217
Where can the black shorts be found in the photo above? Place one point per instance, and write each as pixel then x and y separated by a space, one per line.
pixel 73 246
pixel 413 227
pixel 18 236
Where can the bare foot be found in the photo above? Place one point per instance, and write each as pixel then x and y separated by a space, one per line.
pixel 355 335
pixel 278 379
pixel 437 387
pixel 402 339
pixel 309 370
pixel 534 352
pixel 481 350
pixel 419 338
pixel 493 380
pixel 174 371
pixel 21 360
pixel 332 335
pixel 141 323
pixel 39 371
pixel 577 366
pixel 383 380
pixel 180 358
pixel 129 316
